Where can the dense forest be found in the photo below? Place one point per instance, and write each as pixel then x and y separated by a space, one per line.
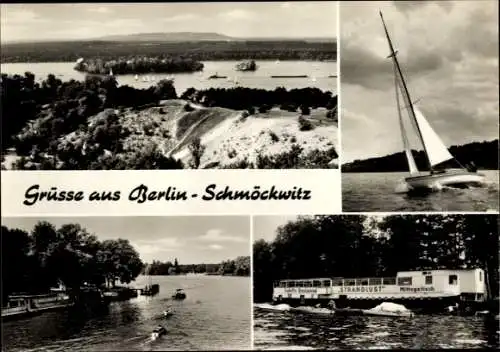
pixel 358 246
pixel 36 116
pixel 194 50
pixel 138 65
pixel 237 267
pixel 33 262
pixel 483 154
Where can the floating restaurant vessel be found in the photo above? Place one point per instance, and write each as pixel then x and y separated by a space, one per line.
pixel 413 288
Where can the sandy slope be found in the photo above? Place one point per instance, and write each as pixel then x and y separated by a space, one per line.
pixel 227 136
pixel 235 138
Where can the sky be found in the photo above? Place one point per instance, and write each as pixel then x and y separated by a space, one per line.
pixel 448 51
pixel 190 239
pixel 239 19
pixel 265 226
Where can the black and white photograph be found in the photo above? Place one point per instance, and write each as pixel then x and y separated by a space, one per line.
pixel 419 105
pixel 376 282
pixel 126 283
pixel 209 85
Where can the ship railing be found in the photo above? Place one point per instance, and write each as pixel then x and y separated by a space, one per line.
pixel 334 282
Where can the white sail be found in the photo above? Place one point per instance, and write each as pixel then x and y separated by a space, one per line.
pixel 409 156
pixel 436 150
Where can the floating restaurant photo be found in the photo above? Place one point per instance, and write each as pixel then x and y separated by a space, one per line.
pixel 413 288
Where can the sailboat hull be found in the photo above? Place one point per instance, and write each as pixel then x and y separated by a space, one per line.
pixel 457 179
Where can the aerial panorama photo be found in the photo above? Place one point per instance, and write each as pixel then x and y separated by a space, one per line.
pixel 169 86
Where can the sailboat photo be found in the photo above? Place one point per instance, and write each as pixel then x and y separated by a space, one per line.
pixel 435 151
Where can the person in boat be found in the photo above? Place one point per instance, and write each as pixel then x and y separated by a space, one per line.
pixel 332 305
pixel 471 167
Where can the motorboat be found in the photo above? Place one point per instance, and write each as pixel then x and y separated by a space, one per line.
pixel 216 76
pixel 179 294
pixel 313 310
pixel 158 332
pixel 388 309
pixel 435 151
pixel 168 312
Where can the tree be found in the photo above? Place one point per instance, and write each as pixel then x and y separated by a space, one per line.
pixel 119 261
pixel 196 150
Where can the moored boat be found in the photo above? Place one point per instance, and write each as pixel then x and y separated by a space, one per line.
pixel 388 309
pixel 179 294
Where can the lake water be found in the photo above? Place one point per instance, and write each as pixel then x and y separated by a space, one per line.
pixel 318 73
pixel 281 330
pixel 215 316
pixel 383 192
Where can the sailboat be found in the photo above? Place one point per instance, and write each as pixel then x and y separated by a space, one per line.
pixel 434 149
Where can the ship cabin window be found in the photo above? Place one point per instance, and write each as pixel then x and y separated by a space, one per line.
pixel 389 281
pixel 480 276
pixel 327 283
pixel 405 281
pixel 336 282
pixel 308 284
pixel 290 284
pixel 300 283
pixel 428 280
pixel 362 282
pixel 375 281
pixel 316 283
pixel 349 282
pixel 452 280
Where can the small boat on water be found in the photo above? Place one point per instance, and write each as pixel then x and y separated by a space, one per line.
pixel 313 310
pixel 168 312
pixel 289 76
pixel 216 76
pixel 158 332
pixel 136 77
pixel 179 294
pixel 388 309
pixel 436 152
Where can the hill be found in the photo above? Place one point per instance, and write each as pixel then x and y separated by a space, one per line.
pixel 484 154
pixel 167 37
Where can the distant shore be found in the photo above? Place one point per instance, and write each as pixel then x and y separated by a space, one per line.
pixel 195 50
pixel 483 154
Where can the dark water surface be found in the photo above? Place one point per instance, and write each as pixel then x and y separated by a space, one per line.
pixel 282 330
pixel 318 73
pixel 215 316
pixel 386 192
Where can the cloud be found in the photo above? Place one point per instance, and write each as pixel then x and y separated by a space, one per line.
pixel 238 14
pixel 149 247
pixel 181 18
pixel 215 247
pixel 21 17
pixel 448 69
pixel 100 9
pixel 216 235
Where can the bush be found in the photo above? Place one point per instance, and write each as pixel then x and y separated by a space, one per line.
pixel 305 110
pixel 188 107
pixel 196 149
pixel 251 110
pixel 274 137
pixel 304 124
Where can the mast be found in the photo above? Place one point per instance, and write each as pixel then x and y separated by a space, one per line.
pixel 403 85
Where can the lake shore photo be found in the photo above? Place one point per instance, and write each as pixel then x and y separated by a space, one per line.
pixel 424 105
pixel 154 95
pixel 126 284
pixel 375 282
